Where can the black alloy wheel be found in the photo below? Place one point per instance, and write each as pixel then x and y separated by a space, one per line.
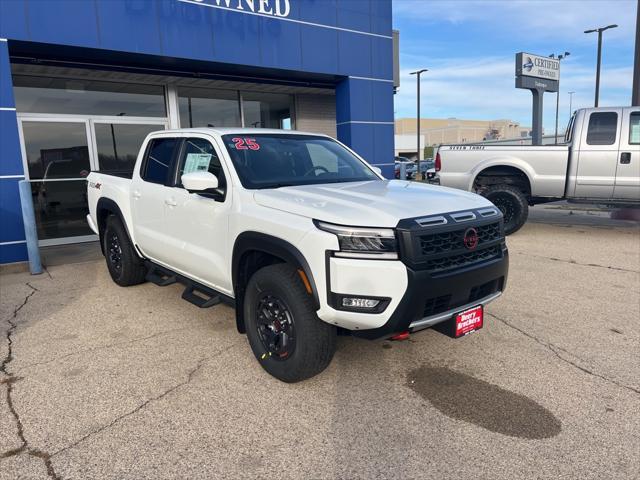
pixel 276 328
pixel 114 252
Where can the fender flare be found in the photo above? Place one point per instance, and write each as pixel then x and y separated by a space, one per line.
pixel 111 206
pixel 262 242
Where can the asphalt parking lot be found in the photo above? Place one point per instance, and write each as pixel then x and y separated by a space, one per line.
pixel 99 381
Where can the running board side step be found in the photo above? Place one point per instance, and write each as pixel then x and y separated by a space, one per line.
pixel 160 278
pixel 199 299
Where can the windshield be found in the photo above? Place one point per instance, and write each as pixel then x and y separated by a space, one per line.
pixel 271 161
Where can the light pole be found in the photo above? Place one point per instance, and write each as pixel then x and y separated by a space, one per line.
pixel 599 30
pixel 570 103
pixel 417 73
pixel 560 57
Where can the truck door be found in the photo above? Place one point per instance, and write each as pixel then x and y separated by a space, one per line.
pixel 198 223
pixel 148 195
pixel 598 154
pixel 627 185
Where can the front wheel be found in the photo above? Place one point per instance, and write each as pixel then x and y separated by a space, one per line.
pixel 286 336
pixel 512 203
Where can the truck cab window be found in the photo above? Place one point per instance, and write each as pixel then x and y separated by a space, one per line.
pixel 199 155
pixel 603 128
pixel 158 161
pixel 634 128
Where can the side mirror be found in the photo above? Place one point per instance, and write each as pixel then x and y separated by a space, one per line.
pixel 378 170
pixel 199 181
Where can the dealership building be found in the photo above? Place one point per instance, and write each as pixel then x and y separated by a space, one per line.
pixel 83 82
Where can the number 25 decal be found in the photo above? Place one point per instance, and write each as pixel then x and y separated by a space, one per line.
pixel 245 143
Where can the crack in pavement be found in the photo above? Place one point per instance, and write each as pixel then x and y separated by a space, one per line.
pixel 555 350
pixel 9 381
pixel 190 376
pixel 576 263
pixel 101 347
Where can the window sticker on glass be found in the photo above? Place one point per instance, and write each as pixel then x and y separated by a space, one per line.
pixel 245 143
pixel 197 162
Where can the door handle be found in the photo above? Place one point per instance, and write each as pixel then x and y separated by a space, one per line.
pixel 625 158
pixel 171 202
pixel 136 194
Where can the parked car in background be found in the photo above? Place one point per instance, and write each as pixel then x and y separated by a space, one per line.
pixel 411 168
pixel 598 163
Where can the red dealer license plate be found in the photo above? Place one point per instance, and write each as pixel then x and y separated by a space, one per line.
pixel 468 321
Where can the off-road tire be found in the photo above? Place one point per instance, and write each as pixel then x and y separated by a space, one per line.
pixel 512 203
pixel 130 269
pixel 315 340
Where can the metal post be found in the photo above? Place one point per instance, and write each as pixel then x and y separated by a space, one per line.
pixel 418 130
pixel 598 67
pixel 635 94
pixel 557 110
pixel 29 220
pixel 417 73
pixel 536 121
pixel 403 171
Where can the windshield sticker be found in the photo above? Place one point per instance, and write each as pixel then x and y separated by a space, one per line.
pixel 197 162
pixel 245 143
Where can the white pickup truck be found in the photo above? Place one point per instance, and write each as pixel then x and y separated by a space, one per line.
pixel 599 162
pixel 302 236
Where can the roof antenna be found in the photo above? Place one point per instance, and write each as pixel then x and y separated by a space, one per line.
pixel 211 125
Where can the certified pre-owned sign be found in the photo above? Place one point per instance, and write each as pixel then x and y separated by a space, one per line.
pixel 529 65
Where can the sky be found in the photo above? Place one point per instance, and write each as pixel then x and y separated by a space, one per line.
pixel 469 47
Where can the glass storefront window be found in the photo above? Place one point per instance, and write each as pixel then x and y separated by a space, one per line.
pixel 70 96
pixel 267 110
pixel 202 107
pixel 56 150
pixel 118 145
pixel 60 208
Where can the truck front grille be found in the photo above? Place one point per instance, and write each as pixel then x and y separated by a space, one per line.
pixel 440 244
pixel 435 243
pixel 438 265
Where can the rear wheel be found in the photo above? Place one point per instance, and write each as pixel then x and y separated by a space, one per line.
pixel 511 202
pixel 286 336
pixel 125 266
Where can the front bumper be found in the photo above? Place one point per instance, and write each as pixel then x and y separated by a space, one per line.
pixel 429 300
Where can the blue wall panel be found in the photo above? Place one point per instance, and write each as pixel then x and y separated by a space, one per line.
pixel 16 252
pixel 354 54
pixel 13 19
pixel 65 22
pixel 381 55
pixel 183 25
pixel 323 12
pixel 10 155
pixel 237 37
pixel 280 44
pixel 319 50
pixel 125 26
pixel 355 15
pixel 382 101
pixel 10 211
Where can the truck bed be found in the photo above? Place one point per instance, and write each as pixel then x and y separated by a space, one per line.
pixel 545 165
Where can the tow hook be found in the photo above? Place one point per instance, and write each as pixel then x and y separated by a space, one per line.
pixel 401 336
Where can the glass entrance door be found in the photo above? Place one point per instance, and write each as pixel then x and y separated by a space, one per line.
pixel 59 152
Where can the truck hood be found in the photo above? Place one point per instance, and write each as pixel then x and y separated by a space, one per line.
pixel 372 203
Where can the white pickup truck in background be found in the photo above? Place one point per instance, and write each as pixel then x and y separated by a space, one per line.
pixel 599 162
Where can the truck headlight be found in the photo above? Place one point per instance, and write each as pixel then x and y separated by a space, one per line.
pixel 363 242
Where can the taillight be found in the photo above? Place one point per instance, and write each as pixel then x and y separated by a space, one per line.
pixel 438 162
